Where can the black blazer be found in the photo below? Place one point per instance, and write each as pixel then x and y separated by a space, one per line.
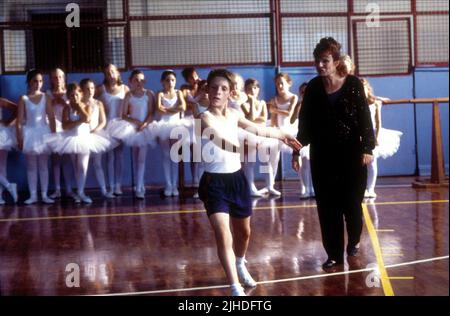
pixel 346 124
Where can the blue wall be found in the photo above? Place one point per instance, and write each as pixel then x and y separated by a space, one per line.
pixel 429 82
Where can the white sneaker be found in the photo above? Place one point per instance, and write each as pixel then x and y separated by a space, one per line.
pixel 272 191
pixel 31 200
pixel 371 194
pixel 244 275
pixel 47 200
pixel 237 290
pixel 12 189
pixel 55 195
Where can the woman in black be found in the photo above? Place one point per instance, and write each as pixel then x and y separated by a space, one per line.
pixel 335 121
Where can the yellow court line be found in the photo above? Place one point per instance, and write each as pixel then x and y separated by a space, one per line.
pixel 386 284
pixel 24 219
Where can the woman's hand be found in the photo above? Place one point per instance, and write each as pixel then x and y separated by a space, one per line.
pixel 366 159
pixel 296 163
pixel 292 142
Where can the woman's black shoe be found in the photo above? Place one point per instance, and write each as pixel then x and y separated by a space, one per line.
pixel 330 263
pixel 352 251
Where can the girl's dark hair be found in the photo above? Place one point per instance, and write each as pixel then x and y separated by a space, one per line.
pixel 187 72
pixel 224 73
pixel 85 81
pixel 72 87
pixel 119 80
pixel 327 45
pixel 167 73
pixel 135 73
pixel 250 82
pixel 32 73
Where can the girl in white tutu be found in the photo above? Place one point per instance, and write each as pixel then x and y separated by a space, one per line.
pixel 32 131
pixel 238 95
pixel 387 141
pixel 135 129
pixel 97 124
pixel 56 95
pixel 191 92
pixel 7 142
pixel 281 108
pixel 255 110
pixel 306 186
pixel 169 103
pixel 77 138
pixel 197 105
pixel 111 93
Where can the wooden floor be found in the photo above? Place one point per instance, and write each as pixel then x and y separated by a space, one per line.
pixel 165 246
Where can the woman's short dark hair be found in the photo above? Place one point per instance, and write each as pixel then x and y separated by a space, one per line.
pixel 328 45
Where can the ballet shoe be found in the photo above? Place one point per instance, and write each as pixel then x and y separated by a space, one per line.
pixel 272 191
pixel 237 290
pixel 175 192
pixel 31 200
pixel 56 194
pixel 85 199
pixel 47 200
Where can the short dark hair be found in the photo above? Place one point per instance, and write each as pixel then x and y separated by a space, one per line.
pixel 72 87
pixel 167 73
pixel 135 72
pixel 187 72
pixel 32 73
pixel 330 45
pixel 221 72
pixel 85 81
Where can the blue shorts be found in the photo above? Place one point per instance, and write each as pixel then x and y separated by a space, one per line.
pixel 226 193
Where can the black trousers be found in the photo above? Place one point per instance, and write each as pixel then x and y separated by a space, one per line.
pixel 339 181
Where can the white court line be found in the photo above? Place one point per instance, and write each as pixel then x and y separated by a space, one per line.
pixel 317 276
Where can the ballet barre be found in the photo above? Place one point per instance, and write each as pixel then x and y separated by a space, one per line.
pixel 438 178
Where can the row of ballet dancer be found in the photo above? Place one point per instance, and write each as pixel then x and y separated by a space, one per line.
pixel 73 122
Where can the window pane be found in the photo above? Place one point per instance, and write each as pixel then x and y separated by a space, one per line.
pixel 383 50
pixel 300 36
pixel 205 41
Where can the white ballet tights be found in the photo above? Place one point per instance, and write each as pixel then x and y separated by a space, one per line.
pixel 57 162
pixel 274 158
pixel 3 160
pixel 80 164
pixel 99 174
pixel 305 176
pixel 170 167
pixel 35 163
pixel 115 166
pixel 372 173
pixel 139 157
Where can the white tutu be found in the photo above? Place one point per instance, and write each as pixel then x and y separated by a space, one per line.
pixel 34 140
pixel 127 132
pixel 176 129
pixel 388 143
pixel 103 133
pixel 64 143
pixel 7 137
